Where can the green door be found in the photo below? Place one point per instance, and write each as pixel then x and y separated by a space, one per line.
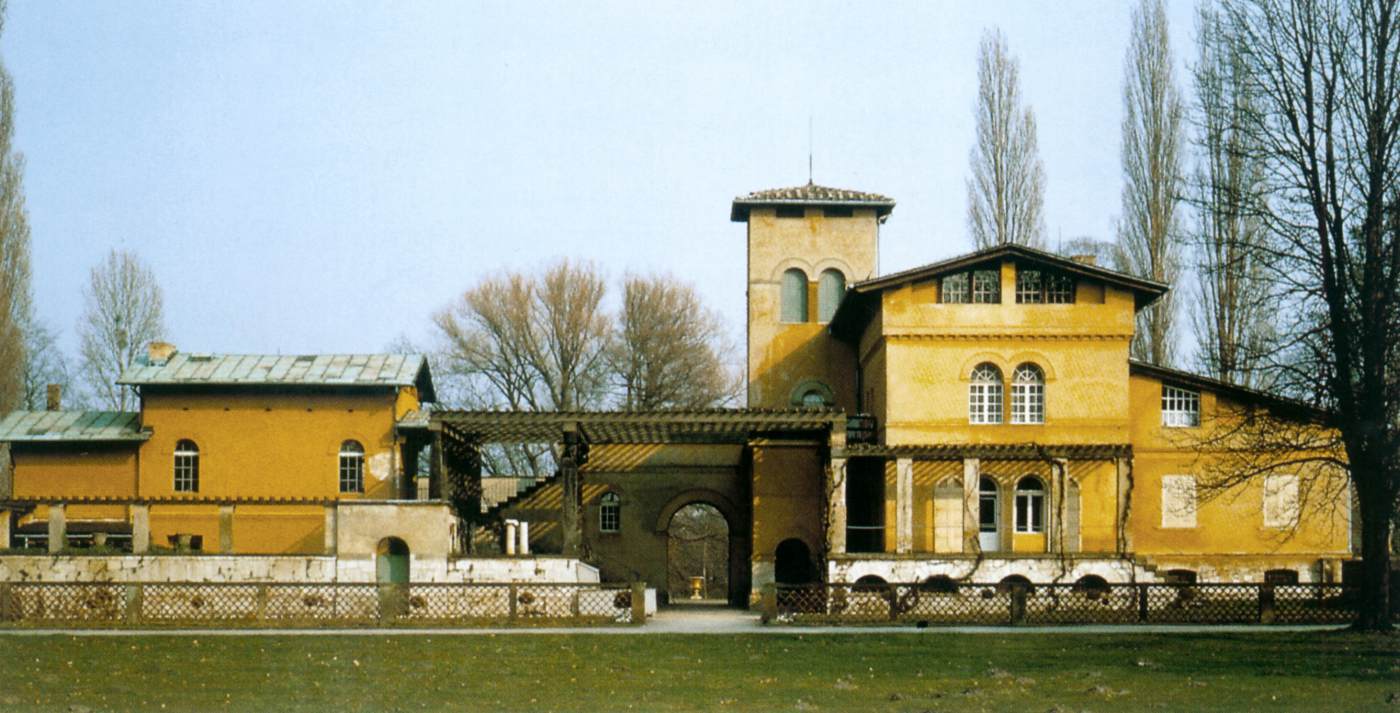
pixel 391 562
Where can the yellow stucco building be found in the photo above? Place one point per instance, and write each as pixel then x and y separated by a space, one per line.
pixel 977 418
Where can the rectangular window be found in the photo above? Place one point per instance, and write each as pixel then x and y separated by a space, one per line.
pixel 1028 287
pixel 352 473
pixel 1030 513
pixel 838 212
pixel 1280 501
pixel 984 403
pixel 986 287
pixel 1181 408
pixel 796 211
pixel 1178 501
pixel 186 472
pixel 954 289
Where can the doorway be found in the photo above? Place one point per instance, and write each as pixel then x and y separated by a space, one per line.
pixel 792 563
pixel 988 516
pixel 697 555
pixel 391 561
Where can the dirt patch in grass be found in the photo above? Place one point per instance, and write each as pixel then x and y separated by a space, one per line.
pixel 583 672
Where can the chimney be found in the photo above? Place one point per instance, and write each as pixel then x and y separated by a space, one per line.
pixel 157 353
pixel 55 398
pixel 1085 259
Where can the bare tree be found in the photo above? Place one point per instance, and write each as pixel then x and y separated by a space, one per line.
pixel 668 348
pixel 1234 314
pixel 1006 194
pixel 44 364
pixel 15 297
pixel 1147 231
pixel 528 343
pixel 1326 74
pixel 122 314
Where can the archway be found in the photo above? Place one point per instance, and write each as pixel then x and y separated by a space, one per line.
pixel 697 550
pixel 792 563
pixel 391 561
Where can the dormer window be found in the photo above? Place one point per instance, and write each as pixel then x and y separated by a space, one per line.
pixel 955 289
pixel 986 287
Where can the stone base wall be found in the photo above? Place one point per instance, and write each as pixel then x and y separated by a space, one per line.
pixel 283 568
pixel 1217 569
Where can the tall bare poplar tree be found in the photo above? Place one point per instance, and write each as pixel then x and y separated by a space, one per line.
pixel 668 348
pixel 1147 233
pixel 122 313
pixel 1234 315
pixel 1327 128
pixel 1006 194
pixel 15 297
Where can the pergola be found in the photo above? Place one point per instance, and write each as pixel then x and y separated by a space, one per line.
pixel 462 433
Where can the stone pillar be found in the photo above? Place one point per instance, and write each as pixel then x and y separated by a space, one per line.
pixel 1058 513
pixel 331 543
pixel 571 505
pixel 836 507
pixel 972 476
pixel 226 529
pixel 140 529
pixel 510 538
pixel 4 529
pixel 523 530
pixel 58 527
pixel 904 506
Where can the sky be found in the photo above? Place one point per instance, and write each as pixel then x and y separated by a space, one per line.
pixel 322 177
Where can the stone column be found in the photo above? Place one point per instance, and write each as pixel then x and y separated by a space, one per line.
pixel 972 476
pixel 904 506
pixel 571 505
pixel 140 529
pixel 4 529
pixel 523 530
pixel 58 527
pixel 836 507
pixel 331 543
pixel 510 538
pixel 226 529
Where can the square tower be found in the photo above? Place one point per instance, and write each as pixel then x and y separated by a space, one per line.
pixel 805 245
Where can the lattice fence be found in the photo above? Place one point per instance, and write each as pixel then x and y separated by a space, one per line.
pixel 301 605
pixel 1048 604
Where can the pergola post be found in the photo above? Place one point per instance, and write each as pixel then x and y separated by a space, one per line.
pixel 571 505
pixel 226 529
pixel 140 528
pixel 904 506
pixel 330 542
pixel 1125 494
pixel 5 529
pixel 58 528
pixel 972 479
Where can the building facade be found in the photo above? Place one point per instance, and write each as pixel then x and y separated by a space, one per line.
pixel 978 418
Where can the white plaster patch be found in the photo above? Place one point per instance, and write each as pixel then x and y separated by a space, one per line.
pixel 381 466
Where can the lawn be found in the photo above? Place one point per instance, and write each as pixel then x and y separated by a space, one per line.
pixel 904 672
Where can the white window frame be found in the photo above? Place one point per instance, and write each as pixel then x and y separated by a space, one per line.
pixel 1181 408
pixel 1280 501
pixel 1028 394
pixel 984 395
pixel 186 467
pixel 986 291
pixel 352 467
pixel 610 512
pixel 1030 286
pixel 955 289
pixel 1179 502
pixel 1026 505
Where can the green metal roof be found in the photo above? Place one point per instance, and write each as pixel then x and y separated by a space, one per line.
pixel 353 370
pixel 64 426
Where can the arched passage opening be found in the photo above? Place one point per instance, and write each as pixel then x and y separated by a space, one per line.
pixel 391 563
pixel 792 563
pixel 697 554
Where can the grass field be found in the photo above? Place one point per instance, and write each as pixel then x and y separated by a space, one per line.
pixel 903 672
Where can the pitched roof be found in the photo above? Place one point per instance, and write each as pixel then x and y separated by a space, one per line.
pixel 62 426
pixel 861 293
pixel 343 370
pixel 810 194
pixel 1242 393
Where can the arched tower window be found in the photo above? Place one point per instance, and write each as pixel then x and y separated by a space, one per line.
pixel 1030 505
pixel 794 308
pixel 1028 394
pixel 352 467
pixel 984 395
pixel 609 513
pixel 186 467
pixel 831 287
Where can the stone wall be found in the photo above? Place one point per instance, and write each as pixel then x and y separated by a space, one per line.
pixel 290 569
pixel 1238 570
